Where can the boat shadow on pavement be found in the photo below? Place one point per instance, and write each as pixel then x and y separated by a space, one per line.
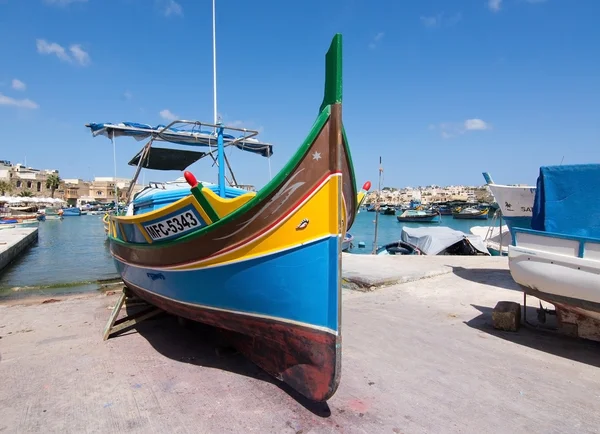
pixel 487 276
pixel 206 346
pixel 540 337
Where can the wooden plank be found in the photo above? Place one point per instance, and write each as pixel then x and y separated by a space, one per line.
pixel 113 315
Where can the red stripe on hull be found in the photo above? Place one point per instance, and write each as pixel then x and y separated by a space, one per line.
pixel 302 357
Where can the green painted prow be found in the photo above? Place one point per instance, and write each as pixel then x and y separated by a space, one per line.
pixel 333 73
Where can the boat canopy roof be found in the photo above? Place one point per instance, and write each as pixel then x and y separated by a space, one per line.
pixel 181 136
pixel 167 159
pixel 432 241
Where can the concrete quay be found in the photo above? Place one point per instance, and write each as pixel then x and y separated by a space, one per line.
pixel 418 357
pixel 14 241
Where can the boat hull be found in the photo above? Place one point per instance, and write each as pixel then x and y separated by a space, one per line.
pixel 347 242
pixel 516 204
pixel 292 338
pixel 559 269
pixel 71 212
pixel 458 216
pixel 418 219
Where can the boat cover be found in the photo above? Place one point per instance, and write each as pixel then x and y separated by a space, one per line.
pixel 566 200
pixel 432 241
pixel 181 136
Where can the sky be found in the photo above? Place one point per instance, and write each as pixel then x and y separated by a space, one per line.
pixel 441 90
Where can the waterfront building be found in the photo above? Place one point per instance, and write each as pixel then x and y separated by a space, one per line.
pixel 23 178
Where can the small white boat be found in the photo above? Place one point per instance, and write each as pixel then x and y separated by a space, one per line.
pixel 495 238
pixel 558 261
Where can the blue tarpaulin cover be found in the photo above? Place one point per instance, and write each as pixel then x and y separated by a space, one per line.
pixel 566 200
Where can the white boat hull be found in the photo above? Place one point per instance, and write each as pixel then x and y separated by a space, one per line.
pixel 516 204
pixel 562 270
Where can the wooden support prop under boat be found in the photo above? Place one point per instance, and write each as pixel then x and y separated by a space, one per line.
pixel 265 267
pixel 115 325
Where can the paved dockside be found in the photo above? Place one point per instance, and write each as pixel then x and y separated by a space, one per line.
pixel 418 357
pixel 15 241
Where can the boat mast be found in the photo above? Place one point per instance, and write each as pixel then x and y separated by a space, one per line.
pixel 220 148
pixel 214 41
pixel 374 252
pixel 112 139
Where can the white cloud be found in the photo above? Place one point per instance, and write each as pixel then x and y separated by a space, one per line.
pixel 18 84
pixel 378 37
pixel 168 115
pixel 476 124
pixel 127 95
pixel 44 47
pixel 20 103
pixel 63 2
pixel 495 5
pixel 433 21
pixel 439 20
pixel 171 7
pixel 77 54
pixel 453 129
pixel 80 55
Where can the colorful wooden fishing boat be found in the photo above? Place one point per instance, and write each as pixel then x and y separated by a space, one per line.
pixel 264 266
pixel 470 213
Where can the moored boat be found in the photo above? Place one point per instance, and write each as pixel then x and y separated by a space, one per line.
pixel 470 213
pixel 71 212
pixel 347 242
pixel 387 210
pixel 496 238
pixel 415 216
pixel 439 240
pixel 246 263
pixel 558 259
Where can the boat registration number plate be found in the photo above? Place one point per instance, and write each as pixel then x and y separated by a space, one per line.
pixel 174 225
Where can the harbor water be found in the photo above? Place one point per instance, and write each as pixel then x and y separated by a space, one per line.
pixel 72 255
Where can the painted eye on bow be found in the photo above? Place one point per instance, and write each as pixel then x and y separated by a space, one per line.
pixel 302 225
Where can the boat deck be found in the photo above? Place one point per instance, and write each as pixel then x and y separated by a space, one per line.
pixel 418 357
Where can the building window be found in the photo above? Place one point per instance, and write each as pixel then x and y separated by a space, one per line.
pixel 28 184
pixel 99 193
pixel 19 184
pixel 39 186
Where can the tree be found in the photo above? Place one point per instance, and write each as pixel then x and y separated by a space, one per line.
pixel 53 182
pixel 5 186
pixel 26 193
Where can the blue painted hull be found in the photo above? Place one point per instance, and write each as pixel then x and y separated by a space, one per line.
pixel 71 212
pixel 297 285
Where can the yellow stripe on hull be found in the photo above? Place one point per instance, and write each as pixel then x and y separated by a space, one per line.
pixel 139 219
pixel 223 206
pixel 320 210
